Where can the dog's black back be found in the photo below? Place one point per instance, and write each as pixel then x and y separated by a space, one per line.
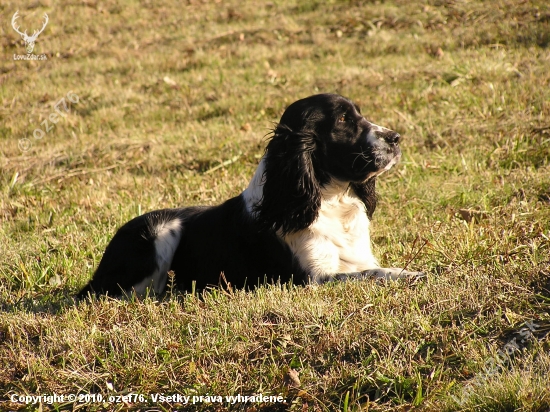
pixel 214 240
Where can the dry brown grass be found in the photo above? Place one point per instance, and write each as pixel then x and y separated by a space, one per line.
pixel 168 92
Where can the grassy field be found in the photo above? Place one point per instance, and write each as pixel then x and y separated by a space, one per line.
pixel 173 103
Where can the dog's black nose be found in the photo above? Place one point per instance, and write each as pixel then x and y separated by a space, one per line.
pixel 394 138
pixel 390 136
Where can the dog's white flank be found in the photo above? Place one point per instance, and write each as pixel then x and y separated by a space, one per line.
pixel 168 235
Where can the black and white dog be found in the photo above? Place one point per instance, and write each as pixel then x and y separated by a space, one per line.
pixel 304 217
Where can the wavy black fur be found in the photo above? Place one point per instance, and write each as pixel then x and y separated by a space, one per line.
pixel 290 202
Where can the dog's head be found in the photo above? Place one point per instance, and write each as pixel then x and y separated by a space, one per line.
pixel 343 144
pixel 320 139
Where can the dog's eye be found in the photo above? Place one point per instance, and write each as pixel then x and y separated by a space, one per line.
pixel 342 119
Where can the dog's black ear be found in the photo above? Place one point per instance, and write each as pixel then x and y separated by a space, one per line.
pixel 291 191
pixel 367 193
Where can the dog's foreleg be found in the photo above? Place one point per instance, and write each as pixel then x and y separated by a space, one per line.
pixel 377 274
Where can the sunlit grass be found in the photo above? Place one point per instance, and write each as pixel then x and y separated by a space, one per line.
pixel 168 92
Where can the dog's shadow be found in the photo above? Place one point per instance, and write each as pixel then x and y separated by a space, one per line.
pixel 50 303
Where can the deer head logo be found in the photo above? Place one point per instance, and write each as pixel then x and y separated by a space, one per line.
pixel 29 40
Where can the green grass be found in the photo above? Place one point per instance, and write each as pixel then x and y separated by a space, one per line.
pixel 169 91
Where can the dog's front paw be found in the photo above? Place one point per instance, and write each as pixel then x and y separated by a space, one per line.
pixel 393 274
pixel 413 277
pixel 405 274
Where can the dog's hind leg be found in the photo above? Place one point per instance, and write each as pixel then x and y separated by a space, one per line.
pixel 168 235
pixel 139 255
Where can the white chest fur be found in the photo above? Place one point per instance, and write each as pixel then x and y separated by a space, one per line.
pixel 338 241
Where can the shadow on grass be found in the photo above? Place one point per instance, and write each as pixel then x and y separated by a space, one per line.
pixel 49 302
